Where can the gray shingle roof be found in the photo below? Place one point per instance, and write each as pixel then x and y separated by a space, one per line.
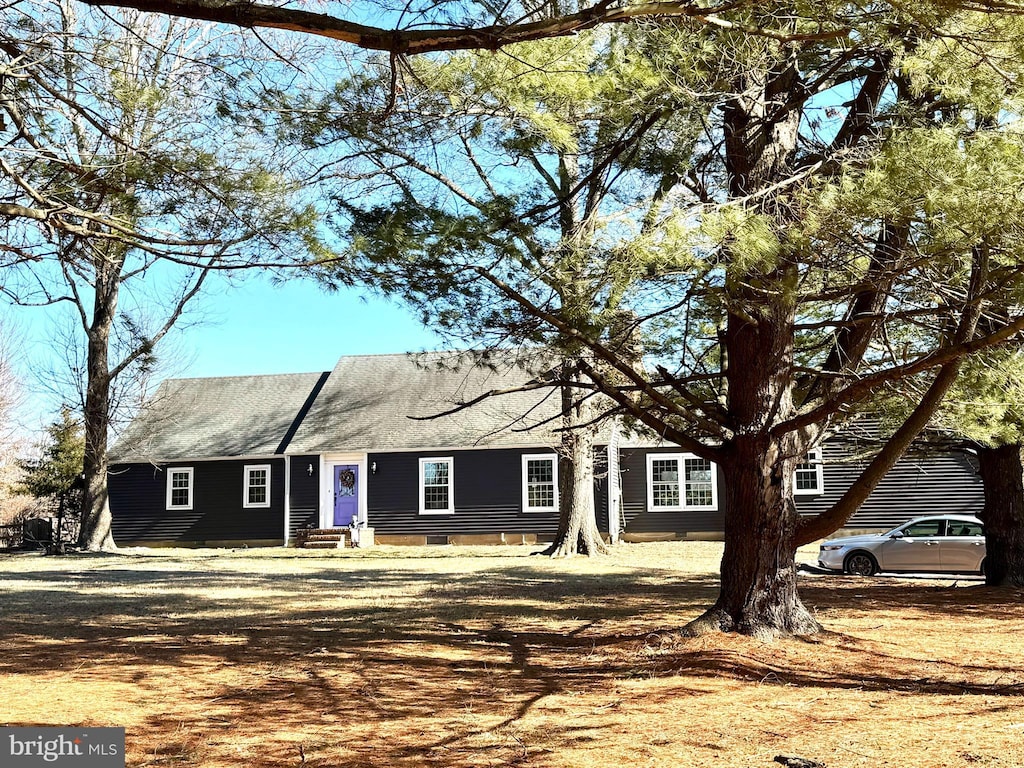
pixel 364 405
pixel 215 417
pixel 367 402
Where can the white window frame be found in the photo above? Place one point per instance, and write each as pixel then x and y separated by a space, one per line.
pixel 527 458
pixel 682 506
pixel 247 472
pixel 171 472
pixel 813 457
pixel 450 509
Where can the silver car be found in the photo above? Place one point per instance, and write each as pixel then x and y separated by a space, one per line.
pixel 946 543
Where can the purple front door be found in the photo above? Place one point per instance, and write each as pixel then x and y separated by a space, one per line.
pixel 346 494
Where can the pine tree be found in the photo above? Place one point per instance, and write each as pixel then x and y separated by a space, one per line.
pixel 985 414
pixel 59 468
pixel 837 224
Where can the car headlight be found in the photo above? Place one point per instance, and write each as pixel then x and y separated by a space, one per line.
pixel 832 548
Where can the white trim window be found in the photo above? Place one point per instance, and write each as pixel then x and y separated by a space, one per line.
pixel 809 477
pixel 540 482
pixel 436 483
pixel 179 487
pixel 680 482
pixel 256 486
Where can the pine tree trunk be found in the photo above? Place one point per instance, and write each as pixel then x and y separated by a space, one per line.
pixel 758 594
pixel 95 534
pixel 1003 514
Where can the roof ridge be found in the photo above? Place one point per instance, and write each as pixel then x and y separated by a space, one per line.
pixel 247 376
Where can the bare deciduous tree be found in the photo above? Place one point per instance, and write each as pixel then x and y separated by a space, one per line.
pixel 124 185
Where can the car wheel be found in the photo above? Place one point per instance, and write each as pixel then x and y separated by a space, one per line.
pixel 860 564
pixel 984 565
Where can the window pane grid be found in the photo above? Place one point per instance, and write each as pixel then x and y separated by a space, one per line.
pixel 180 490
pixel 807 476
pixel 665 474
pixel 435 497
pixel 435 473
pixel 806 479
pixel 257 486
pixel 699 495
pixel 436 486
pixel 698 471
pixel 539 471
pixel 666 470
pixel 666 494
pixel 540 483
pixel 541 495
pixel 682 482
pixel 698 483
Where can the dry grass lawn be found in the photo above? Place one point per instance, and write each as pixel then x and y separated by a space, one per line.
pixel 491 657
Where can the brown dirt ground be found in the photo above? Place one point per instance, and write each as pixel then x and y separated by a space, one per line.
pixel 491 657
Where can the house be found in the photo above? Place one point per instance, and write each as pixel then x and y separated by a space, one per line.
pixel 377 442
pixel 256 459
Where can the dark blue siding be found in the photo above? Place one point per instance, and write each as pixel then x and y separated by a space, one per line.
pixel 138 504
pixel 919 484
pixel 305 494
pixel 488 495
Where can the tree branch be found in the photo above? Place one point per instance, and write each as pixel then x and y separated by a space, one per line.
pixel 172 318
pixel 489 37
pixel 657 423
pixel 813 528
pixel 530 386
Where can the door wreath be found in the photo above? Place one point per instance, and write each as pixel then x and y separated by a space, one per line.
pixel 347 481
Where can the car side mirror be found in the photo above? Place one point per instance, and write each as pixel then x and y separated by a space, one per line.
pixel 896 535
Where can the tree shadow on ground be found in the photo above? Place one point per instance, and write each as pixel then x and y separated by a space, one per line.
pixel 379 666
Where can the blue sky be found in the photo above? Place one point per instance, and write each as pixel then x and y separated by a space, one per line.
pixel 250 327
pixel 293 327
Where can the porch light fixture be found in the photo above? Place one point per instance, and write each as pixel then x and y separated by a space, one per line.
pixel 373 467
pixel 309 470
